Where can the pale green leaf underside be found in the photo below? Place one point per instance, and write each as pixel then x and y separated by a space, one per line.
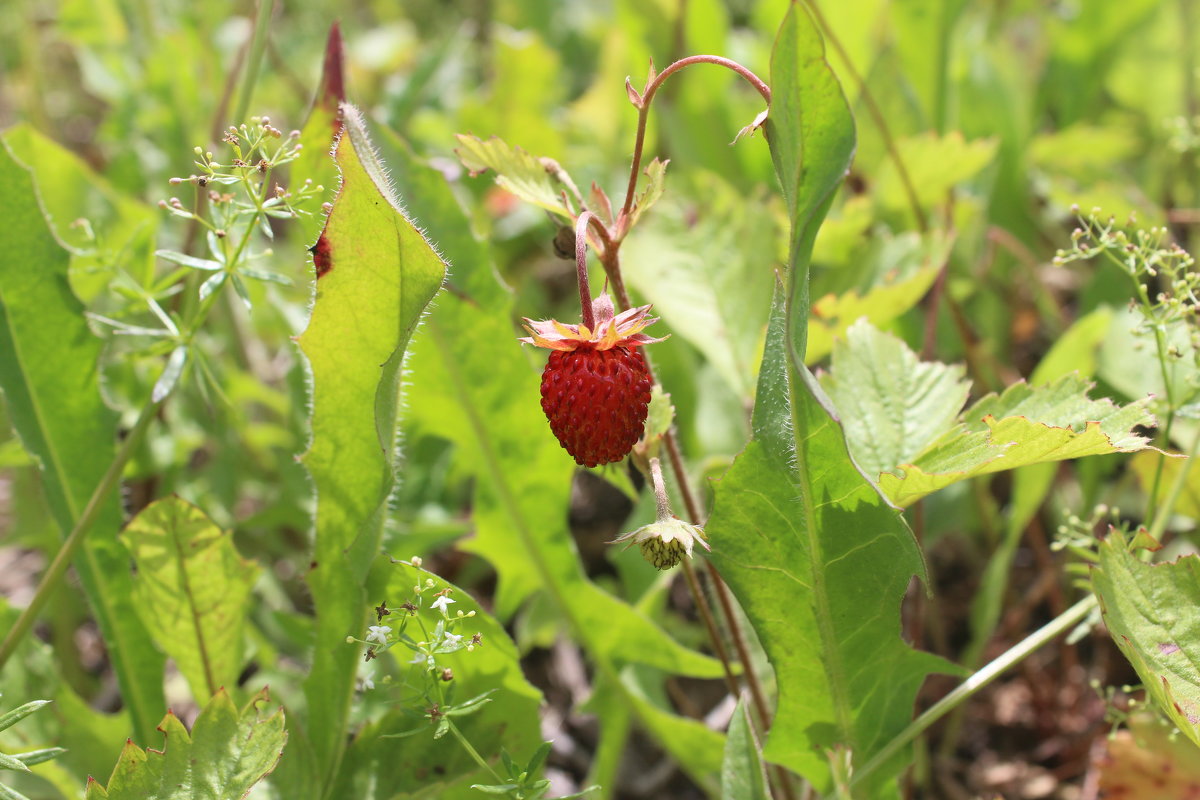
pixel 1150 611
pixel 1024 425
pixel 892 404
pixel 517 171
pixel 192 588
pixel 222 758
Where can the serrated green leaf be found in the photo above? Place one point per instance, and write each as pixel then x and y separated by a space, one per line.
pixel 50 379
pixel 1024 425
pixel 742 774
pixel 652 189
pixel 223 757
pixel 192 588
pixel 892 404
pixel 1149 610
pixel 516 171
pixel 833 314
pixel 375 275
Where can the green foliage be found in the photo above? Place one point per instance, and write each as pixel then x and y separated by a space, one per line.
pixel 529 178
pixel 742 773
pixel 892 404
pixel 191 590
pixel 21 762
pixel 1147 610
pixel 226 753
pixel 821 576
pixel 49 375
pixel 401 752
pixel 965 133
pixel 1023 425
pixel 376 273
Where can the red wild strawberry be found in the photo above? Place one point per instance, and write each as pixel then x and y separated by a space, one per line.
pixel 596 386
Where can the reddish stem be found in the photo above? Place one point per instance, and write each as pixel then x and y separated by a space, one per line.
pixel 644 113
pixel 585 292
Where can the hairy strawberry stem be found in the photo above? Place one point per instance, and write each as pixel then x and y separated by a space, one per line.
pixel 610 239
pixel 585 292
pixel 642 102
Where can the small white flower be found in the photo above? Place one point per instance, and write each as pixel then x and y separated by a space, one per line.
pixel 378 633
pixel 367 681
pixel 451 639
pixel 441 603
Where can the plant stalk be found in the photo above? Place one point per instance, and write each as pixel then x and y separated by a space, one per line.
pixel 74 540
pixel 258 45
pixel 968 688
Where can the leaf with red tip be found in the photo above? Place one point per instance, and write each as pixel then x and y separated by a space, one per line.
pixel 378 275
pixel 332 92
pixel 320 132
pixel 226 753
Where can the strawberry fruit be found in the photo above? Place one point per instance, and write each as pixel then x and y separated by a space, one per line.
pixel 596 385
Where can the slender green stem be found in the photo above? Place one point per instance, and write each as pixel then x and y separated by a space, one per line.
pixel 472 751
pixel 66 554
pixel 1163 510
pixel 258 46
pixel 1011 657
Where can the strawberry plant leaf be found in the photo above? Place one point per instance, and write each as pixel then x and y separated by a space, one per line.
pixel 192 588
pixel 817 557
pixel 375 275
pixel 896 292
pixel 222 758
pixel 516 171
pixel 1023 425
pixel 50 380
pixel 892 404
pixel 652 189
pixel 1149 610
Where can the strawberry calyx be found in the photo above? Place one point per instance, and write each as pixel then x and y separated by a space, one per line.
pixel 612 329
